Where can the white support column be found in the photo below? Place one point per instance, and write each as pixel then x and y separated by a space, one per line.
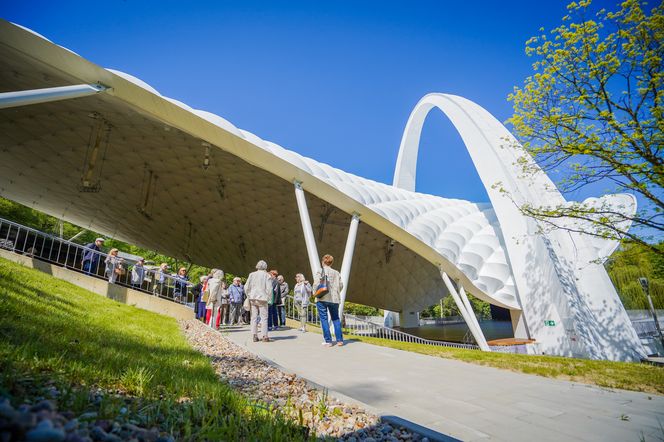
pixel 35 96
pixel 471 313
pixel 348 259
pixel 477 334
pixel 309 238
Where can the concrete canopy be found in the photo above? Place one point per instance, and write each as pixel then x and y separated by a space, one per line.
pixel 240 208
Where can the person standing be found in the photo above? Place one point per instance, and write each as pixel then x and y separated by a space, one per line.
pixel 91 256
pixel 181 282
pixel 275 299
pixel 112 262
pixel 236 295
pixel 159 279
pixel 330 301
pixel 224 305
pixel 214 287
pixel 281 309
pixel 259 291
pixel 301 295
pixel 138 274
pixel 199 304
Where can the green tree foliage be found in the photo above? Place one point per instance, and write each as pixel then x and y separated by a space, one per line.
pixel 361 309
pixel 592 112
pixel 632 262
pixel 482 309
pixel 37 220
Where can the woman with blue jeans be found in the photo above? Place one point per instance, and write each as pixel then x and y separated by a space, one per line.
pixel 329 303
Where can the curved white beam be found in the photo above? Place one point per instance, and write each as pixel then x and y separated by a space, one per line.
pixel 557 277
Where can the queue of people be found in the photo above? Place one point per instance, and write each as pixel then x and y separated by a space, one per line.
pixel 262 299
pixel 260 302
pixel 141 278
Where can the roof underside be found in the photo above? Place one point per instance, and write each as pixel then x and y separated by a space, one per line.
pixel 230 214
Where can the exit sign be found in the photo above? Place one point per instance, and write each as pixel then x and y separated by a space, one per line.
pixel 550 323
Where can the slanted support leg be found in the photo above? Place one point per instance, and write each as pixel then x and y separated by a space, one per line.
pixel 348 260
pixel 308 231
pixel 471 313
pixel 36 96
pixel 477 333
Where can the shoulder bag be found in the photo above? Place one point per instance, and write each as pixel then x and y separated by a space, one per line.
pixel 323 287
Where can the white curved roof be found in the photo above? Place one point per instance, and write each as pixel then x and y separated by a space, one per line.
pixel 465 233
pixel 462 234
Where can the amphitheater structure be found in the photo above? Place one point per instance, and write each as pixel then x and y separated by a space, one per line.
pixel 106 151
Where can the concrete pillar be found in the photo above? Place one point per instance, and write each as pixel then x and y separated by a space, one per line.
pixel 348 260
pixel 409 319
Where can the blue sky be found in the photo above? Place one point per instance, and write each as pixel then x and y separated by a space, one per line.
pixel 335 81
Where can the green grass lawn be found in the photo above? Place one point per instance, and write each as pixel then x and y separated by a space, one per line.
pixel 624 375
pixel 55 334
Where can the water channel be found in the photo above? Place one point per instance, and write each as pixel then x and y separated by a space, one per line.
pixel 455 332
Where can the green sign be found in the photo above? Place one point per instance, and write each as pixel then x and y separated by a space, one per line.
pixel 550 323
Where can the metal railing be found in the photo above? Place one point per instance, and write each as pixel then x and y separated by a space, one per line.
pixel 55 250
pixel 356 325
pixel 292 311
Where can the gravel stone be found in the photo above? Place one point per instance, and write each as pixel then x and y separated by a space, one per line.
pixel 44 432
pixel 288 393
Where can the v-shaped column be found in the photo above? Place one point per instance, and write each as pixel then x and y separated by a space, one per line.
pixel 312 251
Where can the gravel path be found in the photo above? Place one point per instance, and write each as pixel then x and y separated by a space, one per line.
pixel 289 394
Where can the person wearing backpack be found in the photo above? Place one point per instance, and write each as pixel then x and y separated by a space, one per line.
pixel 327 289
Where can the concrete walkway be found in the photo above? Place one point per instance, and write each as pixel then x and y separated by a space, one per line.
pixel 461 400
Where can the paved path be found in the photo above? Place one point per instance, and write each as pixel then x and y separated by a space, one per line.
pixel 465 401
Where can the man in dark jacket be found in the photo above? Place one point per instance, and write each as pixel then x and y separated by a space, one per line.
pixel 91 256
pixel 281 307
pixel 272 312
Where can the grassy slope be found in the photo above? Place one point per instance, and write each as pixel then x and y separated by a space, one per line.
pixel 628 376
pixel 54 333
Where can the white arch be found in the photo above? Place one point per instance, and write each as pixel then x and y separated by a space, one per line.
pixel 556 274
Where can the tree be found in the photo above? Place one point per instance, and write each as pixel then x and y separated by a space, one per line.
pixel 481 308
pixel 21 214
pixel 592 112
pixel 630 263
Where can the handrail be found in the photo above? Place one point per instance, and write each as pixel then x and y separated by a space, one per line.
pixel 50 248
pixel 358 326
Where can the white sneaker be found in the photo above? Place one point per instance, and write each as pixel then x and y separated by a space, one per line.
pixel 326 344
